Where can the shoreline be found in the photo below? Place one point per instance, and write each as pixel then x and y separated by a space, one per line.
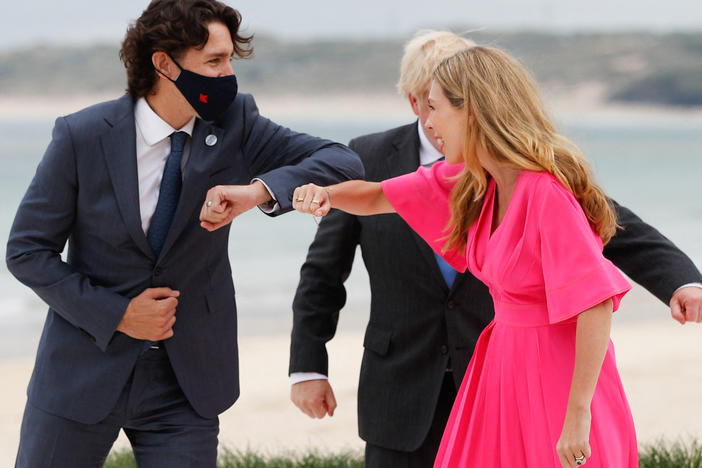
pixel 658 361
pixel 580 104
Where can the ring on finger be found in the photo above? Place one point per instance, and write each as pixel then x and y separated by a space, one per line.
pixel 580 460
pixel 316 202
pixel 298 199
pixel 209 203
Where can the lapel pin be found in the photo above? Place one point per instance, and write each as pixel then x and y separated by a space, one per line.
pixel 211 140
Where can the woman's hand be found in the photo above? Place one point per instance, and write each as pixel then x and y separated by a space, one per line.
pixel 356 197
pixel 573 446
pixel 312 199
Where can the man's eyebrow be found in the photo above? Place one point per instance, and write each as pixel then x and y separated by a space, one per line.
pixel 220 54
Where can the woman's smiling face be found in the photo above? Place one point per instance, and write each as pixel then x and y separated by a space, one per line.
pixel 447 123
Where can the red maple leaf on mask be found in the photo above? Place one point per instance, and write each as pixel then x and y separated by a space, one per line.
pixel 203 98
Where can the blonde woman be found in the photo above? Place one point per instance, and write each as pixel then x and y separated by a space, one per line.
pixel 515 203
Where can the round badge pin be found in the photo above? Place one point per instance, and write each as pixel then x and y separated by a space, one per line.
pixel 211 140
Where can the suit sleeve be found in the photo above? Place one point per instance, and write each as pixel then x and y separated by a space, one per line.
pixel 284 159
pixel 38 235
pixel 321 293
pixel 648 257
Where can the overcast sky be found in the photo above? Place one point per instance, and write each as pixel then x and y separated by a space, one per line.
pixel 60 21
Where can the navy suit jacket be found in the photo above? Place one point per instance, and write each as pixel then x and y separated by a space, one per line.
pixel 85 192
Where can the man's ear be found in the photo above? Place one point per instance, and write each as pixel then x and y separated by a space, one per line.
pixel 413 103
pixel 164 64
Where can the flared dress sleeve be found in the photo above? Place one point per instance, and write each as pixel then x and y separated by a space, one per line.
pixel 421 198
pixel 576 274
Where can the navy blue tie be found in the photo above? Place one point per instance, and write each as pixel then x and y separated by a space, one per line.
pixel 169 194
pixel 447 270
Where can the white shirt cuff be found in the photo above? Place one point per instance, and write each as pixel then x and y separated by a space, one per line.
pixel 297 377
pixel 695 285
pixel 270 206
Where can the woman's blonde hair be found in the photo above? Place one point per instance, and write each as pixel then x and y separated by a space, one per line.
pixel 510 122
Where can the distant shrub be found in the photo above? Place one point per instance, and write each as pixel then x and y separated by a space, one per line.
pixel 675 87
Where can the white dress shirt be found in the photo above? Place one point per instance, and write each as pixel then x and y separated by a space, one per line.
pixel 153 146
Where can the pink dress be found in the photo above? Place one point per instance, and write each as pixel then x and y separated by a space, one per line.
pixel 544 266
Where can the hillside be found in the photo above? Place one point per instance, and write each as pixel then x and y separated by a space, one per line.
pixel 629 67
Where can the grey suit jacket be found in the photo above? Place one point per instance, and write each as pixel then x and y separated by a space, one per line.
pixel 416 323
pixel 85 192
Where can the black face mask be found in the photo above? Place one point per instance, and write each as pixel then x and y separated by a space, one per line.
pixel 209 96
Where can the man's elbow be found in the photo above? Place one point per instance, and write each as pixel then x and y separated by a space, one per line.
pixel 15 265
pixel 25 263
pixel 18 263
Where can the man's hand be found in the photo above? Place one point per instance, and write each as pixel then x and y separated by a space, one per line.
pixel 315 398
pixel 225 202
pixel 686 305
pixel 150 315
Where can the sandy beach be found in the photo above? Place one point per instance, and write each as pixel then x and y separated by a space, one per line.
pixel 658 360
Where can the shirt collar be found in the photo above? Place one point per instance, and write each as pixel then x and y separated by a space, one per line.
pixel 154 128
pixel 428 154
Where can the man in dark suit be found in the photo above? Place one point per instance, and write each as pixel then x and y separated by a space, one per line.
pixel 424 318
pixel 123 182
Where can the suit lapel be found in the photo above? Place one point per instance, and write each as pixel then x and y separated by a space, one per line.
pixel 404 160
pixel 119 150
pixel 405 156
pixel 195 179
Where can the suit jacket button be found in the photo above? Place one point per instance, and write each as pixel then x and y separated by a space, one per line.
pixel 157 271
pixel 444 349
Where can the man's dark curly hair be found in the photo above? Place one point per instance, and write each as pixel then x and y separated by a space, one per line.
pixel 173 26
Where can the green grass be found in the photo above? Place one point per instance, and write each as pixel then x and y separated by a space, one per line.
pixel 671 455
pixel 120 459
pixel 250 459
pixel 658 455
